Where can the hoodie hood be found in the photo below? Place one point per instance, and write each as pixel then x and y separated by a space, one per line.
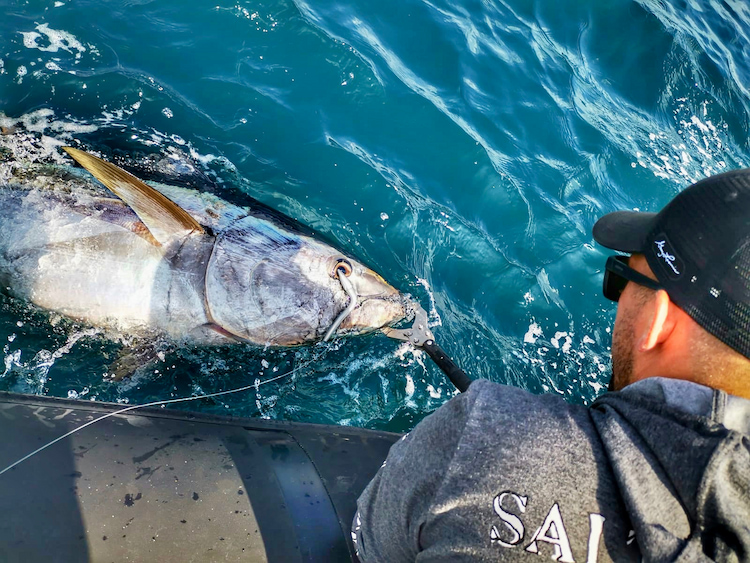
pixel 681 457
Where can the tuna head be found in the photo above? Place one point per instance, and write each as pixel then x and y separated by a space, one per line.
pixel 271 286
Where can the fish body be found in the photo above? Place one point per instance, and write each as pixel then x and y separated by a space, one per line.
pixel 141 258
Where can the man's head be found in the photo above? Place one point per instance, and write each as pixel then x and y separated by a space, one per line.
pixel 693 320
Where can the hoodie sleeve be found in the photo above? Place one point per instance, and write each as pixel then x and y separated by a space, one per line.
pixel 397 502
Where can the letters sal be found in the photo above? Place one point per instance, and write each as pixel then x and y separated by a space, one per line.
pixel 511 531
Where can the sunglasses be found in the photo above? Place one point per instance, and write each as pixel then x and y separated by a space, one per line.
pixel 617 274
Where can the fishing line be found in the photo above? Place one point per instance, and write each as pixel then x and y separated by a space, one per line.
pixel 157 403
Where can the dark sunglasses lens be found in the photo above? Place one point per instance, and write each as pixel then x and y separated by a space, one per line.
pixel 614 285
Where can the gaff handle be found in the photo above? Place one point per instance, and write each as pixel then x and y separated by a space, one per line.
pixel 457 376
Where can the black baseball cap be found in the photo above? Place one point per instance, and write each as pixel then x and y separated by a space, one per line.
pixel 698 246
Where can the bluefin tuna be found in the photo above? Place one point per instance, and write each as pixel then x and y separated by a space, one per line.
pixel 143 258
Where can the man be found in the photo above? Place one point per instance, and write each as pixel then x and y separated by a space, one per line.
pixel 658 470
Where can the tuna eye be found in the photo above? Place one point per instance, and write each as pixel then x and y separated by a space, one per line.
pixel 342 265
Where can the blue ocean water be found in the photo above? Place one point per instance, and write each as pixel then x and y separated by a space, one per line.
pixel 462 148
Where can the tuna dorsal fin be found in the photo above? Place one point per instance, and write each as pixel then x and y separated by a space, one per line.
pixel 163 218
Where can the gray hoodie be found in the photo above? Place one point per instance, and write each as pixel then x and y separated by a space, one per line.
pixel 658 471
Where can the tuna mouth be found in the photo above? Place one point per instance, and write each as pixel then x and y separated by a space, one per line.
pixel 370 312
pixel 375 312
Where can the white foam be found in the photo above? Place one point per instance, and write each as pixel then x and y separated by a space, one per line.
pixel 50 144
pixel 434 393
pixel 42 120
pixel 12 360
pixel 533 334
pixel 409 386
pixel 57 40
pixel 566 345
pixel 207 159
pixel 36 121
pixel 73 394
pixel 39 138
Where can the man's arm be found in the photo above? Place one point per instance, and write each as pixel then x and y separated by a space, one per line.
pixel 398 501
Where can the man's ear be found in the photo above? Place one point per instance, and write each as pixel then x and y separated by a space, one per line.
pixel 661 324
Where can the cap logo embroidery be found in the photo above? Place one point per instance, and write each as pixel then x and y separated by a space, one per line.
pixel 668 258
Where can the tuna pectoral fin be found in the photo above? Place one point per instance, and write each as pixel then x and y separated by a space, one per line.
pixel 163 218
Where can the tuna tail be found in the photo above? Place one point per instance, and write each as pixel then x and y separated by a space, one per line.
pixel 164 219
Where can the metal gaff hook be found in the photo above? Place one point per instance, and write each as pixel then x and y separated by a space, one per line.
pixel 421 336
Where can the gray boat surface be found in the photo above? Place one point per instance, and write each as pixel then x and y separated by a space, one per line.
pixel 165 485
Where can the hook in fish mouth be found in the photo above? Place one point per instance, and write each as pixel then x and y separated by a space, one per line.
pixel 343 275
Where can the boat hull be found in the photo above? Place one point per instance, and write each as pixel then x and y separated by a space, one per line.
pixel 160 484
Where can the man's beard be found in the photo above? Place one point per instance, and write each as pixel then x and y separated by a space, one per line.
pixel 622 353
